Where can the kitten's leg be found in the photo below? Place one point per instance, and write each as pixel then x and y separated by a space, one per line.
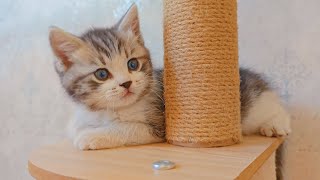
pixel 267 116
pixel 115 135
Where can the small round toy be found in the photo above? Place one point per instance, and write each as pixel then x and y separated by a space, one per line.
pixel 163 165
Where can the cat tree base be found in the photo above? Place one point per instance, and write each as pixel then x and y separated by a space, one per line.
pixel 252 159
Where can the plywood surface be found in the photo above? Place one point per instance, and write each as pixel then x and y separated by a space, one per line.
pixel 63 161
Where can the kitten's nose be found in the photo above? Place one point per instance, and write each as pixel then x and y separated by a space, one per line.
pixel 126 84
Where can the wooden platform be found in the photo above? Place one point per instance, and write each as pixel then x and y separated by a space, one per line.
pixel 62 161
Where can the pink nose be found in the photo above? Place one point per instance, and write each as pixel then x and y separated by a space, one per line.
pixel 126 84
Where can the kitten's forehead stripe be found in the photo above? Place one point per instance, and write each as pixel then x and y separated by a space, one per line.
pixel 132 50
pixel 97 44
pixel 102 40
pixel 126 52
pixel 107 49
pixel 107 42
pixel 112 39
pixel 120 45
pixel 101 60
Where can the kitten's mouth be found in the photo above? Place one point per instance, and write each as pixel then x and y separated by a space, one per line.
pixel 127 94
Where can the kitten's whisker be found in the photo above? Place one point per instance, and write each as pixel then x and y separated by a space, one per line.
pixel 113 106
pixel 157 95
pixel 156 81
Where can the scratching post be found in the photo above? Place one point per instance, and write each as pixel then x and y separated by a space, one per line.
pixel 201 73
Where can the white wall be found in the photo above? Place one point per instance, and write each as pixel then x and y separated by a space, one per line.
pixel 33 107
pixel 280 38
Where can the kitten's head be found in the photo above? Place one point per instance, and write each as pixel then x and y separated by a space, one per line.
pixel 104 68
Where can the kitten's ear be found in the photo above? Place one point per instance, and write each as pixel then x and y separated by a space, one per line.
pixel 130 21
pixel 64 45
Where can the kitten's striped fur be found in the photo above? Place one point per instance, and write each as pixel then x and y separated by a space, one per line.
pixel 109 115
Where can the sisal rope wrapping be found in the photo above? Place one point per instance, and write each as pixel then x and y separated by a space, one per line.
pixel 201 73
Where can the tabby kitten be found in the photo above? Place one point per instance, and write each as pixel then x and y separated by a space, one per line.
pixel 108 73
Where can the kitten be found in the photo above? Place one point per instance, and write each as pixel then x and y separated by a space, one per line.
pixel 109 74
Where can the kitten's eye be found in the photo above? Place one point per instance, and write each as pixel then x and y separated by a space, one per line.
pixel 101 74
pixel 133 64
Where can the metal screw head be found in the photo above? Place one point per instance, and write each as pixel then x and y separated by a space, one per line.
pixel 163 165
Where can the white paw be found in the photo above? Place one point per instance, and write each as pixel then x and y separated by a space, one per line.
pixel 91 141
pixel 276 127
pixel 86 142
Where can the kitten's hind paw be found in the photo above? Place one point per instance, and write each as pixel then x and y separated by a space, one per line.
pixel 275 129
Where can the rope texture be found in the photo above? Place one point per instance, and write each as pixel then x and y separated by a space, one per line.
pixel 201 73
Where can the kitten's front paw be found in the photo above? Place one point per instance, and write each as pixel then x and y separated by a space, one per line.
pixel 86 142
pixel 91 141
pixel 277 127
